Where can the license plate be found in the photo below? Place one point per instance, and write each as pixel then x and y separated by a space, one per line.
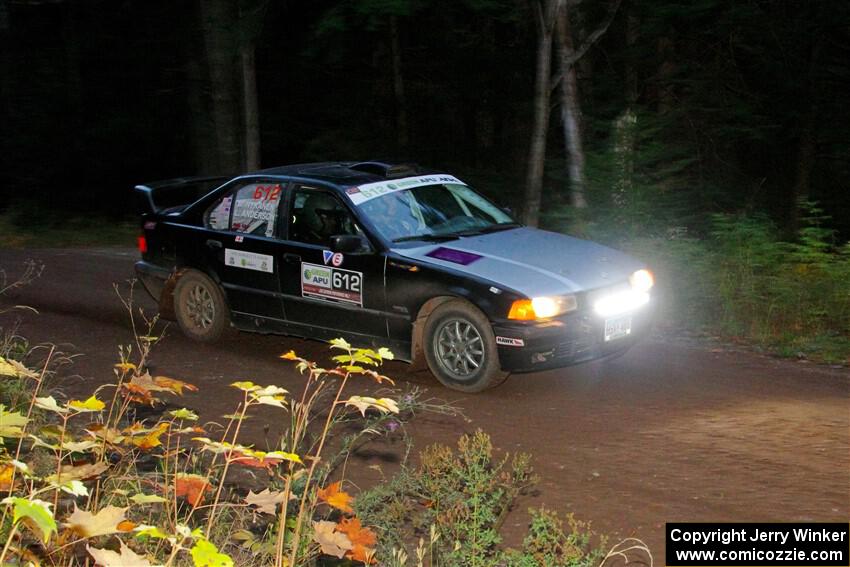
pixel 618 327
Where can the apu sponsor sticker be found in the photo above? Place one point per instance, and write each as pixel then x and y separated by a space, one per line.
pixel 510 341
pixel 331 284
pixel 248 260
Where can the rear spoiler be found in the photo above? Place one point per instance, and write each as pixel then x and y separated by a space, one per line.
pixel 153 198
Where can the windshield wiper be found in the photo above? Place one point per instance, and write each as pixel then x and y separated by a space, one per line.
pixel 427 237
pixel 492 228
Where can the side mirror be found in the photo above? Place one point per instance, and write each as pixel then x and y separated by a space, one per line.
pixel 348 243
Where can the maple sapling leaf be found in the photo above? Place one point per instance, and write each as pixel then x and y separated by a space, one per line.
pixel 184 414
pixel 206 554
pixel 331 541
pixel 173 385
pixel 104 522
pixel 9 367
pixel 340 343
pixel 36 513
pixel 92 404
pixel 125 558
pixel 147 499
pixel 245 386
pixel 192 487
pixel 49 403
pixel 336 498
pixel 265 501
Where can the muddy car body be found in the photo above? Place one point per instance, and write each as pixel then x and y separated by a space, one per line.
pixel 386 255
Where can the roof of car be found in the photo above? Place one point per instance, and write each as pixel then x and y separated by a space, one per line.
pixel 349 173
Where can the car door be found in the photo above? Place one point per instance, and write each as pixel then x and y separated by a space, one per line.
pixel 325 290
pixel 242 243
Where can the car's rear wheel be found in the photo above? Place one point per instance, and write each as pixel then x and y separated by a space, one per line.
pixel 200 307
pixel 460 348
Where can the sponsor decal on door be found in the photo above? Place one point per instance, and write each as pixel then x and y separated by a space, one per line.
pixel 248 260
pixel 331 284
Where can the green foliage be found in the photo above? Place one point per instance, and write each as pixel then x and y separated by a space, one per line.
pixel 548 545
pixel 464 495
pixel 744 280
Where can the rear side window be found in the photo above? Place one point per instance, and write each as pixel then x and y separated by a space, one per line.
pixel 251 209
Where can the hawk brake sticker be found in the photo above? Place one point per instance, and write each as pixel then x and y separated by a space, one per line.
pixel 331 284
pixel 248 260
pixel 363 193
pixel 510 341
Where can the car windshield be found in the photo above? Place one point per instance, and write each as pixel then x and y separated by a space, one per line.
pixel 434 212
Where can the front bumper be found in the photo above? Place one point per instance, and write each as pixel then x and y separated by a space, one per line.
pixel 570 339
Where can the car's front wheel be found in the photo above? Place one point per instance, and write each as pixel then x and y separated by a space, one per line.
pixel 200 307
pixel 460 348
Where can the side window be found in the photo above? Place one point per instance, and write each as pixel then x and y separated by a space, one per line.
pixel 251 209
pixel 317 215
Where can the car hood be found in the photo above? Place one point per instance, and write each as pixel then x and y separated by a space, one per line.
pixel 531 261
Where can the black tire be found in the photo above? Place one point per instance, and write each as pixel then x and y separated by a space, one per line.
pixel 200 307
pixel 450 337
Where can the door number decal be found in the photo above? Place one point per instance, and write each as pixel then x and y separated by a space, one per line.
pixel 331 284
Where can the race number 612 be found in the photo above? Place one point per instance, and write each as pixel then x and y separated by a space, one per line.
pixel 347 281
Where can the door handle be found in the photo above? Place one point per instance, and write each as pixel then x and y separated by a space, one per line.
pixel 213 244
pixel 290 258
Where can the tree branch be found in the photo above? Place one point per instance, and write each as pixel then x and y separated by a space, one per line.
pixel 591 39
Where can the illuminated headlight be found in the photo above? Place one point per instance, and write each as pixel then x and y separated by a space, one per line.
pixel 642 280
pixel 621 302
pixel 541 307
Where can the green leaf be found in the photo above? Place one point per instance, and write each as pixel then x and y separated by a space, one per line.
pixel 75 488
pixel 49 403
pixel 205 554
pixel 147 499
pixel 245 386
pixel 184 414
pixel 385 353
pixel 340 343
pixel 37 514
pixel 11 423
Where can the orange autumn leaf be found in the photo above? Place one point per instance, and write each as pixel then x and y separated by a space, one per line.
pixel 150 440
pixel 356 532
pixel 336 498
pixel 238 458
pixel 362 540
pixel 126 526
pixel 361 553
pixel 6 473
pixel 137 394
pixel 174 385
pixel 192 487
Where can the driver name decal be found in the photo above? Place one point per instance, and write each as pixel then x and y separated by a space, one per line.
pixel 331 284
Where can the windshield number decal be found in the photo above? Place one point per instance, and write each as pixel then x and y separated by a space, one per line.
pixel 331 284
pixel 369 191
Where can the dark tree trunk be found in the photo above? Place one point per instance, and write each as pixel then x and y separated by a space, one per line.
pixel 571 111
pixel 540 123
pixel 402 135
pixel 251 112
pixel 219 20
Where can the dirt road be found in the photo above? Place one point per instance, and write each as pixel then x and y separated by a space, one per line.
pixel 670 432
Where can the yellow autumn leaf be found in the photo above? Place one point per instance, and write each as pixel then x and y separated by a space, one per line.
pixel 9 367
pixel 336 498
pixel 245 386
pixel 89 405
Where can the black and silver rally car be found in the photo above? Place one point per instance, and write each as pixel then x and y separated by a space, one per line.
pixel 386 255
